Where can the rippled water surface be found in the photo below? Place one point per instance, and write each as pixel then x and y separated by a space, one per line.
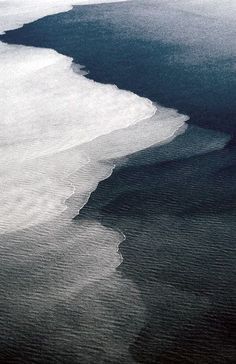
pixel 168 296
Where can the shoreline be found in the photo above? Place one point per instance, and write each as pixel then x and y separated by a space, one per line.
pixel 129 111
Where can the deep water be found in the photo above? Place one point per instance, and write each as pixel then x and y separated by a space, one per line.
pixel 175 203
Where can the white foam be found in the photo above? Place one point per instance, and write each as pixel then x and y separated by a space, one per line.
pixel 15 13
pixel 52 123
pixel 48 108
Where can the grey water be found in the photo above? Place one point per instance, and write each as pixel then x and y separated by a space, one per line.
pixel 172 299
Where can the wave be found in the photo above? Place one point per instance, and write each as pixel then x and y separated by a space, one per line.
pixel 58 127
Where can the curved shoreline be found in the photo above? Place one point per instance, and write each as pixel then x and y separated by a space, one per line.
pixel 40 10
pixel 118 111
pixel 173 204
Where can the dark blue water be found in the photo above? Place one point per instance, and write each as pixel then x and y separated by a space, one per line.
pixel 175 204
pixel 107 39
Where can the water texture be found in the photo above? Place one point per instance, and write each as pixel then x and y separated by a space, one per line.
pixel 168 295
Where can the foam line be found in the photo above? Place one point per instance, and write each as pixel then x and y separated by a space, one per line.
pixel 15 13
pixel 56 123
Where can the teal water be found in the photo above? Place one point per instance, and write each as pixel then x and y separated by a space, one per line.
pixel 175 204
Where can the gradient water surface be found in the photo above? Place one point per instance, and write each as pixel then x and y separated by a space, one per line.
pixel 176 203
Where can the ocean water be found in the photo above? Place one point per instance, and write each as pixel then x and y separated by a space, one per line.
pixel 168 294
